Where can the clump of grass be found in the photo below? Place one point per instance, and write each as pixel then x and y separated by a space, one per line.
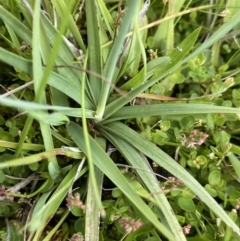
pixel 81 102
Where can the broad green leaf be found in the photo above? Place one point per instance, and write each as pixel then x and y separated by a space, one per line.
pixel 186 204
pixel 214 177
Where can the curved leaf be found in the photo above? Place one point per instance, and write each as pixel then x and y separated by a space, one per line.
pixel 142 167
pixel 167 109
pixel 107 166
pixel 160 157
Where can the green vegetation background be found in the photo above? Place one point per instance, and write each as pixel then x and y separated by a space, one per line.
pixel 119 120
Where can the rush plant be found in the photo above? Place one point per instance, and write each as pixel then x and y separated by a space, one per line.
pixel 82 100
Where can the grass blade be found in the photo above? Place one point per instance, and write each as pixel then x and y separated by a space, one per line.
pixel 168 109
pixel 176 58
pixel 136 160
pixel 110 65
pixel 19 28
pixel 106 165
pixel 94 50
pixel 171 166
pixel 223 30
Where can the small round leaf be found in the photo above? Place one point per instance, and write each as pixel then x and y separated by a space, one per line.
pixel 214 177
pixel 211 190
pixel 186 204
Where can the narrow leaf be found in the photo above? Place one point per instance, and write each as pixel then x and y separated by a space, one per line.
pixel 107 166
pixel 168 109
pixel 157 155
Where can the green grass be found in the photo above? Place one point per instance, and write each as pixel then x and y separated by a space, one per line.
pixel 157 82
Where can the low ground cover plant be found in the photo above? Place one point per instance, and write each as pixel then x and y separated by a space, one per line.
pixel 119 120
